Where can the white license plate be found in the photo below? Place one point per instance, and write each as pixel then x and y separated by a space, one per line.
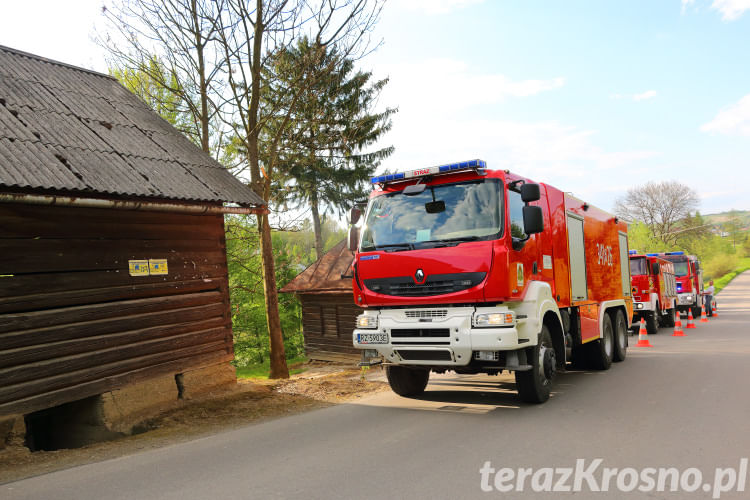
pixel 372 338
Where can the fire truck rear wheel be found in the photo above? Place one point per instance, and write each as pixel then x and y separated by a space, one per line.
pixel 601 351
pixel 407 381
pixel 669 319
pixel 621 337
pixel 534 385
pixel 652 328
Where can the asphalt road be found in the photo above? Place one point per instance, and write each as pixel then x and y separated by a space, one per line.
pixel 683 403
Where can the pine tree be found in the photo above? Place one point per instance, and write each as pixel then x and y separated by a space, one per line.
pixel 325 155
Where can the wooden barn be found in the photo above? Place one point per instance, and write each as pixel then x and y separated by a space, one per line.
pixel 328 309
pixel 112 253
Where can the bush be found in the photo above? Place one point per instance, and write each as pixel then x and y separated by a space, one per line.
pixel 719 265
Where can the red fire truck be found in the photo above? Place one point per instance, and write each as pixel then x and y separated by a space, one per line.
pixel 464 268
pixel 654 290
pixel 689 276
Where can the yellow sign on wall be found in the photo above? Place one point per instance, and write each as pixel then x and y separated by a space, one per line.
pixel 138 267
pixel 158 267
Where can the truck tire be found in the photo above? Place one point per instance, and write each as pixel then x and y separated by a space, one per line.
pixel 534 385
pixel 601 351
pixel 652 328
pixel 696 312
pixel 405 381
pixel 669 319
pixel 621 337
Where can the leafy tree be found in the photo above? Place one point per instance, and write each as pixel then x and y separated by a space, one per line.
pixel 324 159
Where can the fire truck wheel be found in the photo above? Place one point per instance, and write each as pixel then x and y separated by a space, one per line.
pixel 696 313
pixel 534 385
pixel 652 328
pixel 407 381
pixel 669 319
pixel 601 351
pixel 621 337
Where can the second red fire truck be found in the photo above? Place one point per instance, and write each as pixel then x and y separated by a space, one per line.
pixel 654 290
pixel 689 277
pixel 464 268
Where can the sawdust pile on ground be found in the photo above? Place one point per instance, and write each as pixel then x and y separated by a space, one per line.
pixel 249 401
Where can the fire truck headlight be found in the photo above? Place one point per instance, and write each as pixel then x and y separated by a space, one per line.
pixel 367 321
pixel 493 319
pixel 639 306
pixel 689 297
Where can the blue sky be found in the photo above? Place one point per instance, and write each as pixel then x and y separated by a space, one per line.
pixel 592 96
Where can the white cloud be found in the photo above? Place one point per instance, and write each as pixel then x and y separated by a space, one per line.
pixel 635 97
pixel 730 9
pixel 644 95
pixel 435 6
pixel 732 120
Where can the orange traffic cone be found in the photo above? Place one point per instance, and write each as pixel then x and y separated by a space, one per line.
pixel 690 320
pixel 704 318
pixel 643 336
pixel 715 314
pixel 678 326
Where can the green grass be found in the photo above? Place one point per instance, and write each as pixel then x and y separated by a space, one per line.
pixel 261 370
pixel 744 265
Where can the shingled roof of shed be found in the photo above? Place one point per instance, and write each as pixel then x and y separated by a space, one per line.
pixel 65 129
pixel 324 276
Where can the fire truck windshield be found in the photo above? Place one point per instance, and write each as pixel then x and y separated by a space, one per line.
pixel 638 266
pixel 681 268
pixel 445 214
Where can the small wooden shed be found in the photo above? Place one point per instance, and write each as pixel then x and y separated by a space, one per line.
pixel 328 309
pixel 112 253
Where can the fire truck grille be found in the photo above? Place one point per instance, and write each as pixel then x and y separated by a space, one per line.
pixel 409 355
pixel 437 284
pixel 420 332
pixel 427 313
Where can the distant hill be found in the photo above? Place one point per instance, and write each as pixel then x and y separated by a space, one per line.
pixel 723 217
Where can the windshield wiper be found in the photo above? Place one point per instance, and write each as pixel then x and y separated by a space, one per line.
pixel 392 247
pixel 447 241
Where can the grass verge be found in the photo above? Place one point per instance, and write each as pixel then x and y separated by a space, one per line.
pixel 743 266
pixel 261 370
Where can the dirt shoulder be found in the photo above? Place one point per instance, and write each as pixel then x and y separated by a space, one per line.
pixel 250 401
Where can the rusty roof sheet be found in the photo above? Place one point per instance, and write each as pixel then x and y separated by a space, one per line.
pixel 325 274
pixel 66 129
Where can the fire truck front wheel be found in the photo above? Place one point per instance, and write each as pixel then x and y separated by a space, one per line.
pixel 652 327
pixel 601 351
pixel 405 381
pixel 534 385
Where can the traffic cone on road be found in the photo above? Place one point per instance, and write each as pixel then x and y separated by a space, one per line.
pixel 704 318
pixel 643 336
pixel 678 326
pixel 690 320
pixel 715 314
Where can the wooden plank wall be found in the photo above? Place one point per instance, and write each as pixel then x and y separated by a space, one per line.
pixel 74 323
pixel 328 321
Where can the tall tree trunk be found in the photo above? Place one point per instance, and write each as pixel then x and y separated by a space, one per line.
pixel 279 368
pixel 203 90
pixel 316 224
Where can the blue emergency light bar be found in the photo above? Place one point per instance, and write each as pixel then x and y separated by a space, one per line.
pixel 421 172
pixel 652 254
pixel 633 252
pixel 675 253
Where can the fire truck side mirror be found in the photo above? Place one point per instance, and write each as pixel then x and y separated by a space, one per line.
pixel 353 238
pixel 655 268
pixel 530 192
pixel 354 214
pixel 533 220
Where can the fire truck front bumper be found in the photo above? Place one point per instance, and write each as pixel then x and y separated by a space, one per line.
pixel 641 307
pixel 447 336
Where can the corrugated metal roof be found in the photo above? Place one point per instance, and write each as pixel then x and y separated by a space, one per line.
pixel 65 129
pixel 324 276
